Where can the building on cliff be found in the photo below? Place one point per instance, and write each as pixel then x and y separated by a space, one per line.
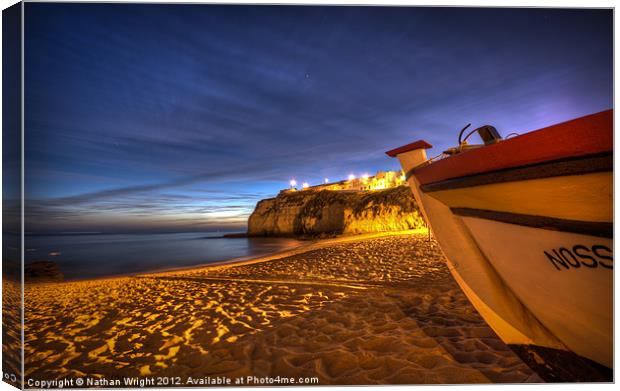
pixel 382 180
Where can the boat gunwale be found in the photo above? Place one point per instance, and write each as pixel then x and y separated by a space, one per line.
pixel 575 139
pixel 600 162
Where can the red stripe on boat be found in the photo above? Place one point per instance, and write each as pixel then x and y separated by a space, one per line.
pixel 587 135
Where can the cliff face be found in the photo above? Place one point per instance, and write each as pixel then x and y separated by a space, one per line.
pixel 335 212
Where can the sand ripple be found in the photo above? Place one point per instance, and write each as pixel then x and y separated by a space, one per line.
pixel 375 311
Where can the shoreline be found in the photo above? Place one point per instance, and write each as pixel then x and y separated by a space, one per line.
pixel 164 269
pixel 301 249
pixel 306 245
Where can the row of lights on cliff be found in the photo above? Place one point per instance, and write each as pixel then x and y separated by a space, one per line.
pixel 305 185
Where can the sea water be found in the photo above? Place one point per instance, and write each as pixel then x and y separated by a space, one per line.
pixel 97 255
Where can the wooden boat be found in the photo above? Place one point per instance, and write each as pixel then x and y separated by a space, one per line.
pixel 526 227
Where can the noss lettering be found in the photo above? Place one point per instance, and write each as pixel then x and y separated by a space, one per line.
pixel 564 258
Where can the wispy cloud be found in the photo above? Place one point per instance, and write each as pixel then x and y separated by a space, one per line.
pixel 128 103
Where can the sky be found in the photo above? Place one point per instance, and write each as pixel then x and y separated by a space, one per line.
pixel 179 117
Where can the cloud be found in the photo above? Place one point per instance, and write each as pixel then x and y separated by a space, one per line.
pixel 128 102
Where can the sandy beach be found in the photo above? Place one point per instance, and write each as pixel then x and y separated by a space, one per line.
pixel 379 309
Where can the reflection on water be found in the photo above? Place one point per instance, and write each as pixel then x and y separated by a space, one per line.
pixel 87 256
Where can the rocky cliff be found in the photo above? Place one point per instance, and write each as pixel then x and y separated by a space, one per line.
pixel 335 212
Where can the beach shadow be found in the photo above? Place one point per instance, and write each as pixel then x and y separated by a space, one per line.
pixel 455 325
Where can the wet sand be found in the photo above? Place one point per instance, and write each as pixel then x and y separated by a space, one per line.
pixel 371 310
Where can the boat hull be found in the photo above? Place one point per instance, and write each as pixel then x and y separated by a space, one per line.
pixel 531 244
pixel 563 278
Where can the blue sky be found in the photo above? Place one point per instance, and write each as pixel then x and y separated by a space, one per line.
pixel 181 117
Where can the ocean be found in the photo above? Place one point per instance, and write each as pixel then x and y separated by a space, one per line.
pixel 98 255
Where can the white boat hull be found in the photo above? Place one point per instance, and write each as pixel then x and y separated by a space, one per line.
pixel 563 278
pixel 484 287
pixel 526 226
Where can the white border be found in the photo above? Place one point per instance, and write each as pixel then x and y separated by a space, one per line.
pixel 463 3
